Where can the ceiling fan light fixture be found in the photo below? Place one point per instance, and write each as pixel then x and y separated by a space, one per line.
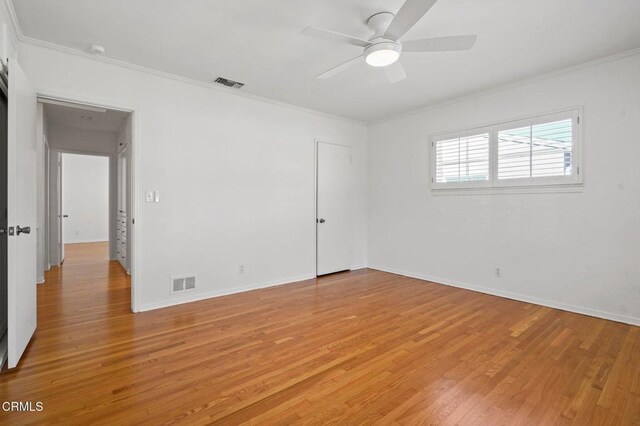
pixel 382 54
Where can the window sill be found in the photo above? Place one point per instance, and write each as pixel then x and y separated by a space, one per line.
pixel 505 190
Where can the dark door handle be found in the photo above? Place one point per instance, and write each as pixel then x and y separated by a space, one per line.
pixel 25 230
pixel 321 221
pixel 65 215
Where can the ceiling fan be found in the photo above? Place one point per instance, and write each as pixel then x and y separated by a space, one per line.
pixel 383 49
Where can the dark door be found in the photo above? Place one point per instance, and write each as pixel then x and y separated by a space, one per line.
pixel 3 208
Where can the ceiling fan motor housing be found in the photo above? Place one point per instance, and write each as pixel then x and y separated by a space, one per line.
pixel 379 23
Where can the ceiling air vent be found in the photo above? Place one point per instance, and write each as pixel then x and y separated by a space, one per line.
pixel 228 83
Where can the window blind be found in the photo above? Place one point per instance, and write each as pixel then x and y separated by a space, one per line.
pixel 463 159
pixel 540 150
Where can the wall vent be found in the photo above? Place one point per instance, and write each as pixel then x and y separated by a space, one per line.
pixel 228 83
pixel 190 283
pixel 183 284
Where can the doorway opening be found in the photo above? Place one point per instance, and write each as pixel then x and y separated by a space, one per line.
pixel 84 201
pixel 84 190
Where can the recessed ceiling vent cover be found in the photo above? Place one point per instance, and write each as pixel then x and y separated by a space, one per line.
pixel 228 83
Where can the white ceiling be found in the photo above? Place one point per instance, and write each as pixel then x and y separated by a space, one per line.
pixel 108 121
pixel 259 43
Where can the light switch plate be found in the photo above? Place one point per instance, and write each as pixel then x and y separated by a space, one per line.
pixel 149 197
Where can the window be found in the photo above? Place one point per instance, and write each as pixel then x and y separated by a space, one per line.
pixel 538 151
pixel 463 159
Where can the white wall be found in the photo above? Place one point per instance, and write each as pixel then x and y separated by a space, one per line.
pixel 8 37
pixel 235 175
pixel 86 198
pixel 579 251
pixel 82 140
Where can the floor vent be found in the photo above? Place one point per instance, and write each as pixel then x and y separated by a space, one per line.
pixel 183 284
pixel 228 83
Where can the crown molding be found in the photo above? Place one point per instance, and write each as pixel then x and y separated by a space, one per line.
pixel 15 30
pixel 503 87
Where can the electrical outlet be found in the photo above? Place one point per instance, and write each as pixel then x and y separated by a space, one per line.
pixel 241 269
pixel 498 273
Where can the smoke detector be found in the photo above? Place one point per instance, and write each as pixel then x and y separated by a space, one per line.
pixel 96 49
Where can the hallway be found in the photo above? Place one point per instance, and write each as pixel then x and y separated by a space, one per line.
pixel 86 288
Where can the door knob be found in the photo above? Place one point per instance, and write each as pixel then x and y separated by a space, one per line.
pixel 65 215
pixel 25 230
pixel 321 221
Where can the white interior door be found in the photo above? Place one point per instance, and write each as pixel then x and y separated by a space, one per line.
pixel 21 213
pixel 333 222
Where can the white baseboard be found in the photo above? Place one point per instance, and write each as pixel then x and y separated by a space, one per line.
pixel 41 280
pixel 217 293
pixel 515 296
pixel 85 241
pixel 355 268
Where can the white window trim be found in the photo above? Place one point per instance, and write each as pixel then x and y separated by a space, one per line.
pixel 572 183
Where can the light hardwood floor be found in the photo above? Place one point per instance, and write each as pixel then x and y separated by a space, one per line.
pixel 352 348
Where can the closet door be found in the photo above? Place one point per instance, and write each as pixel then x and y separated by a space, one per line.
pixel 333 222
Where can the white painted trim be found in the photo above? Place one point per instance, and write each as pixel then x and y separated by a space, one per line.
pixel 360 266
pixel 514 296
pixel 81 152
pixel 16 31
pixel 508 86
pixel 73 98
pixel 134 111
pixel 505 190
pixel 493 185
pixel 134 220
pixel 219 293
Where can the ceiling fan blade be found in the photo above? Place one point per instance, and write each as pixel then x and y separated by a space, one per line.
pixel 440 44
pixel 410 13
pixel 342 67
pixel 335 36
pixel 395 72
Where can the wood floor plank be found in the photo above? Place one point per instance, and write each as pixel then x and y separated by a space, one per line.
pixel 362 347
